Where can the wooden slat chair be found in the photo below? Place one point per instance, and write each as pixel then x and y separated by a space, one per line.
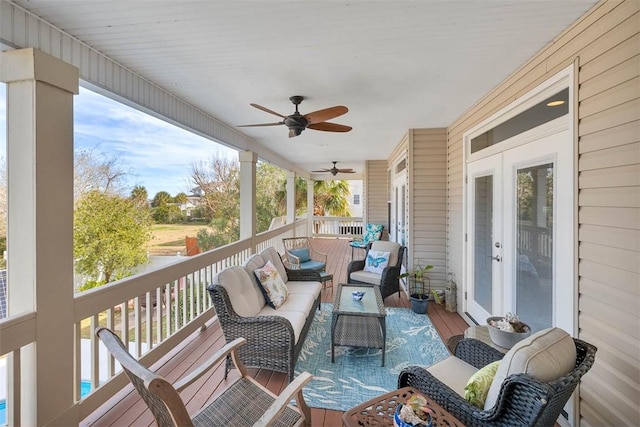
pixel 244 403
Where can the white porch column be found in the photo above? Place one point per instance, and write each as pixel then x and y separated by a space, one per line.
pixel 291 197
pixel 310 207
pixel 40 92
pixel 248 160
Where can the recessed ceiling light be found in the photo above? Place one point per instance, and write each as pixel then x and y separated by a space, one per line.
pixel 555 103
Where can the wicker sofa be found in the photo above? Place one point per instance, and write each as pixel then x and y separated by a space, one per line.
pixel 274 337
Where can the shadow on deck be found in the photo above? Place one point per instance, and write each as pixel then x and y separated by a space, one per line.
pixel 127 408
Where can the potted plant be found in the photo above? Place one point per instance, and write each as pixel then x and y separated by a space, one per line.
pixel 419 287
pixel 414 412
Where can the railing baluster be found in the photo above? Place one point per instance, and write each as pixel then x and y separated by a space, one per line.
pixel 148 311
pixel 95 360
pixel 111 363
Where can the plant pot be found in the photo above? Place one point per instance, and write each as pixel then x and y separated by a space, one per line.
pixel 419 303
pixel 397 422
pixel 505 339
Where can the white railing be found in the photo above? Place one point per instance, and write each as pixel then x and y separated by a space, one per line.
pixel 335 226
pixel 153 312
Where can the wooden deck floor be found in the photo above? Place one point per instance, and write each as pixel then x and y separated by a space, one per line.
pixel 126 408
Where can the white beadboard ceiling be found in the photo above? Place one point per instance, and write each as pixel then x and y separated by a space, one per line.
pixel 395 64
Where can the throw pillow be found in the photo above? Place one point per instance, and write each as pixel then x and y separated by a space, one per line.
pixel 376 261
pixel 274 289
pixel 477 388
pixel 302 254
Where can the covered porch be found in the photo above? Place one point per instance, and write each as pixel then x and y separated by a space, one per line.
pixel 127 408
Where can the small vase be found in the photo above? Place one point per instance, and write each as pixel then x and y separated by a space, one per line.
pixel 397 422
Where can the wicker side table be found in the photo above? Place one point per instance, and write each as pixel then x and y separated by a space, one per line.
pixel 379 411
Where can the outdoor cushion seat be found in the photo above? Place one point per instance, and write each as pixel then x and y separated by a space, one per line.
pixel 533 382
pixel 388 279
pixel 274 336
pixel 301 255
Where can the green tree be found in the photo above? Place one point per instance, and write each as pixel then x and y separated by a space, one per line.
pixel 181 198
pixel 109 233
pixel 331 197
pixel 270 180
pixel 139 196
pixel 164 210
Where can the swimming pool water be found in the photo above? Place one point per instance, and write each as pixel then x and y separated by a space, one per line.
pixel 85 388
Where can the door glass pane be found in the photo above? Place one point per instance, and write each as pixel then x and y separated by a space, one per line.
pixel 483 211
pixel 534 234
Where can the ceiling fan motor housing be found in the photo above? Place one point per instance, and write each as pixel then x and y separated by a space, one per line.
pixel 296 122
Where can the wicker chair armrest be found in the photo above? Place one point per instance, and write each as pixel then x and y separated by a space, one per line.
pixel 356 265
pixel 422 380
pixel 211 362
pixel 477 353
pixel 293 390
pixel 304 275
pixel 293 261
pixel 390 274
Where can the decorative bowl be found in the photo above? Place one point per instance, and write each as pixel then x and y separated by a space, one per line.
pixel 397 421
pixel 357 295
pixel 502 338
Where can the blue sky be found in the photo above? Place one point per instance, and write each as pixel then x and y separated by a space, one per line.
pixel 158 153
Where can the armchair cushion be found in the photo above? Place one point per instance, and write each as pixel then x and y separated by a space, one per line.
pixel 365 277
pixel 376 261
pixel 271 284
pixel 546 356
pixel 383 246
pixel 477 388
pixel 453 372
pixel 303 254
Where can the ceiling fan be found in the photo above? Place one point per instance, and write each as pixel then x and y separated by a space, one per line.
pixel 334 170
pixel 297 122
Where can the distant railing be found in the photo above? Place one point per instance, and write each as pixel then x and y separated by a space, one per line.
pixel 152 311
pixel 334 226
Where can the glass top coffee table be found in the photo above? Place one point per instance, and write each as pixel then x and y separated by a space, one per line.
pixel 358 323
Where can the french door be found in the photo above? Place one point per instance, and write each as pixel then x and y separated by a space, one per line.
pixel 520 234
pixel 399 207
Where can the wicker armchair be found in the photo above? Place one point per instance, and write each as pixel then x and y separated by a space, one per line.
pixel 389 280
pixel 301 255
pixel 244 403
pixel 523 401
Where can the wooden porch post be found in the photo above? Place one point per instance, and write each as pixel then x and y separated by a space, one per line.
pixel 310 207
pixel 291 197
pixel 40 91
pixel 248 160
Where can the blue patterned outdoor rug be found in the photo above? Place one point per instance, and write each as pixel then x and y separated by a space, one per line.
pixel 356 376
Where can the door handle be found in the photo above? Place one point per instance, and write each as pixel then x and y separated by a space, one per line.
pixel 495 258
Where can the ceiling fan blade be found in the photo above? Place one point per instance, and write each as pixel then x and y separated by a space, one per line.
pixel 265 109
pixel 323 170
pixel 330 127
pixel 261 124
pixel 346 171
pixel 326 114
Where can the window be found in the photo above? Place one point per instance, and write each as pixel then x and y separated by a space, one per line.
pixel 356 199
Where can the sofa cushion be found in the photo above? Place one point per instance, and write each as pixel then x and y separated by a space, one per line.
pixel 296 318
pixel 270 254
pixel 392 247
pixel 275 291
pixel 302 254
pixel 296 302
pixel 304 287
pixel 252 263
pixel 245 296
pixel 453 372
pixel 376 261
pixel 546 356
